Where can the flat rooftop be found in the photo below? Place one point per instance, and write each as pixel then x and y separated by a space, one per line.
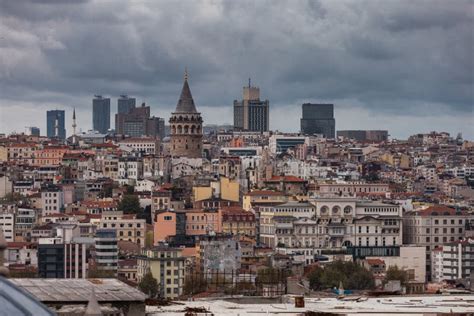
pixel 409 305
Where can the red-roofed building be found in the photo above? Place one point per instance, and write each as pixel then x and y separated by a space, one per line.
pixel 289 184
pixel 434 226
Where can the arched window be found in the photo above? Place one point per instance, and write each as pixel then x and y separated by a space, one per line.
pixel 180 129
pixel 347 209
pixel 193 129
pixel 186 129
pixel 324 209
pixel 336 210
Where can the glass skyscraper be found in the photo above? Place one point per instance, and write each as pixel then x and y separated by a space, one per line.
pixel 318 119
pixel 125 104
pixel 101 114
pixel 51 117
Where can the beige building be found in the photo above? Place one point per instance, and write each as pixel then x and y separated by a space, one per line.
pixel 127 226
pixel 167 267
pixel 433 227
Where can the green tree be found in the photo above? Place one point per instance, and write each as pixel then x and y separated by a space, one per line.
pixel 394 273
pixel 194 283
pixel 129 204
pixel 97 273
pixel 350 274
pixel 149 285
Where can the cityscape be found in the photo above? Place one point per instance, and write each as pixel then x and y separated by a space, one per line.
pixel 121 205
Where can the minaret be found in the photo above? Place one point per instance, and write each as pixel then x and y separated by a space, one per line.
pixel 74 125
pixel 186 126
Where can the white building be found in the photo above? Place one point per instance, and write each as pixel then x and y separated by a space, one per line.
pixel 453 261
pixel 7 224
pixel 51 200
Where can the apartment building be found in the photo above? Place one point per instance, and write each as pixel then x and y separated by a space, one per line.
pixel 434 226
pixel 127 226
pixel 166 264
pixel 52 199
pixel 453 261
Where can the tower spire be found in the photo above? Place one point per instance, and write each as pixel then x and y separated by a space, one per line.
pixel 186 73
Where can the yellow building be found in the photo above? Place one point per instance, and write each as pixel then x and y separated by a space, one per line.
pixel 262 197
pixel 167 267
pixel 227 189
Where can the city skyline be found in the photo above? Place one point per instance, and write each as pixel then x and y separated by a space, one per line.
pixel 404 68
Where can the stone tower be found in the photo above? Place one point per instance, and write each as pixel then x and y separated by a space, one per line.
pixel 186 126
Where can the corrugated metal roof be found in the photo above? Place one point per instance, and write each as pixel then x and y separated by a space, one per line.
pixel 78 290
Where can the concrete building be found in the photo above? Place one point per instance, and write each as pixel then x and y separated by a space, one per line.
pixel 364 135
pixel 7 225
pixel 318 119
pixel 137 122
pixel 166 264
pixel 433 227
pixel 101 114
pixel 279 143
pixel 219 253
pixel 126 225
pixel 106 250
pixel 186 126
pixel 143 145
pixel 252 114
pixel 55 126
pixel 453 261
pixel 51 199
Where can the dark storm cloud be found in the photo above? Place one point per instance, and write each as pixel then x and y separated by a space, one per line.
pixel 390 57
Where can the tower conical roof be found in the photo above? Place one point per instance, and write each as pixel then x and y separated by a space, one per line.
pixel 185 102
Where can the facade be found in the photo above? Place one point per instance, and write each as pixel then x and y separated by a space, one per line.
pixel 125 104
pixel 34 131
pixel 106 250
pixel 51 200
pixel 101 114
pixel 318 119
pixel 219 253
pixel 364 135
pixel 55 124
pixel 137 122
pixel 186 126
pixel 167 267
pixel 281 143
pixel 433 227
pixel 144 145
pixel 453 261
pixel 7 224
pixel 252 114
pixel 127 227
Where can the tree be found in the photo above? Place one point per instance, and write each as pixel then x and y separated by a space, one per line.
pixel 350 274
pixel 149 285
pixel 97 273
pixel 394 273
pixel 194 283
pixel 129 204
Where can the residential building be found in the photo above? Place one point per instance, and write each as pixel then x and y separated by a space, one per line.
pixel 51 200
pixel 364 135
pixel 166 264
pixel 126 225
pixel 453 261
pixel 433 227
pixel 106 250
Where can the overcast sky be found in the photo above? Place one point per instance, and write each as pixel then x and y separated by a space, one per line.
pixel 406 66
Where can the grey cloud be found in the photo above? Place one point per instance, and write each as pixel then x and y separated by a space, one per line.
pixel 388 57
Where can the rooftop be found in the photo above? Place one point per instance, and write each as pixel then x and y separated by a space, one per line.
pixel 78 290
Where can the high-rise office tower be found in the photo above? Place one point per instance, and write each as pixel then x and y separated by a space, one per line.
pixel 318 119
pixel 251 114
pixel 125 104
pixel 55 127
pixel 101 114
pixel 34 131
pixel 186 126
pixel 137 122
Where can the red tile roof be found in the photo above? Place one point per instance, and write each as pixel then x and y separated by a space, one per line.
pixel 285 179
pixel 264 192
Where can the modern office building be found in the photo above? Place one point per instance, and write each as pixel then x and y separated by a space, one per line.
pixel 281 143
pixel 125 104
pixel 34 131
pixel 186 126
pixel 251 114
pixel 364 135
pixel 106 249
pixel 318 119
pixel 55 124
pixel 101 114
pixel 137 123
